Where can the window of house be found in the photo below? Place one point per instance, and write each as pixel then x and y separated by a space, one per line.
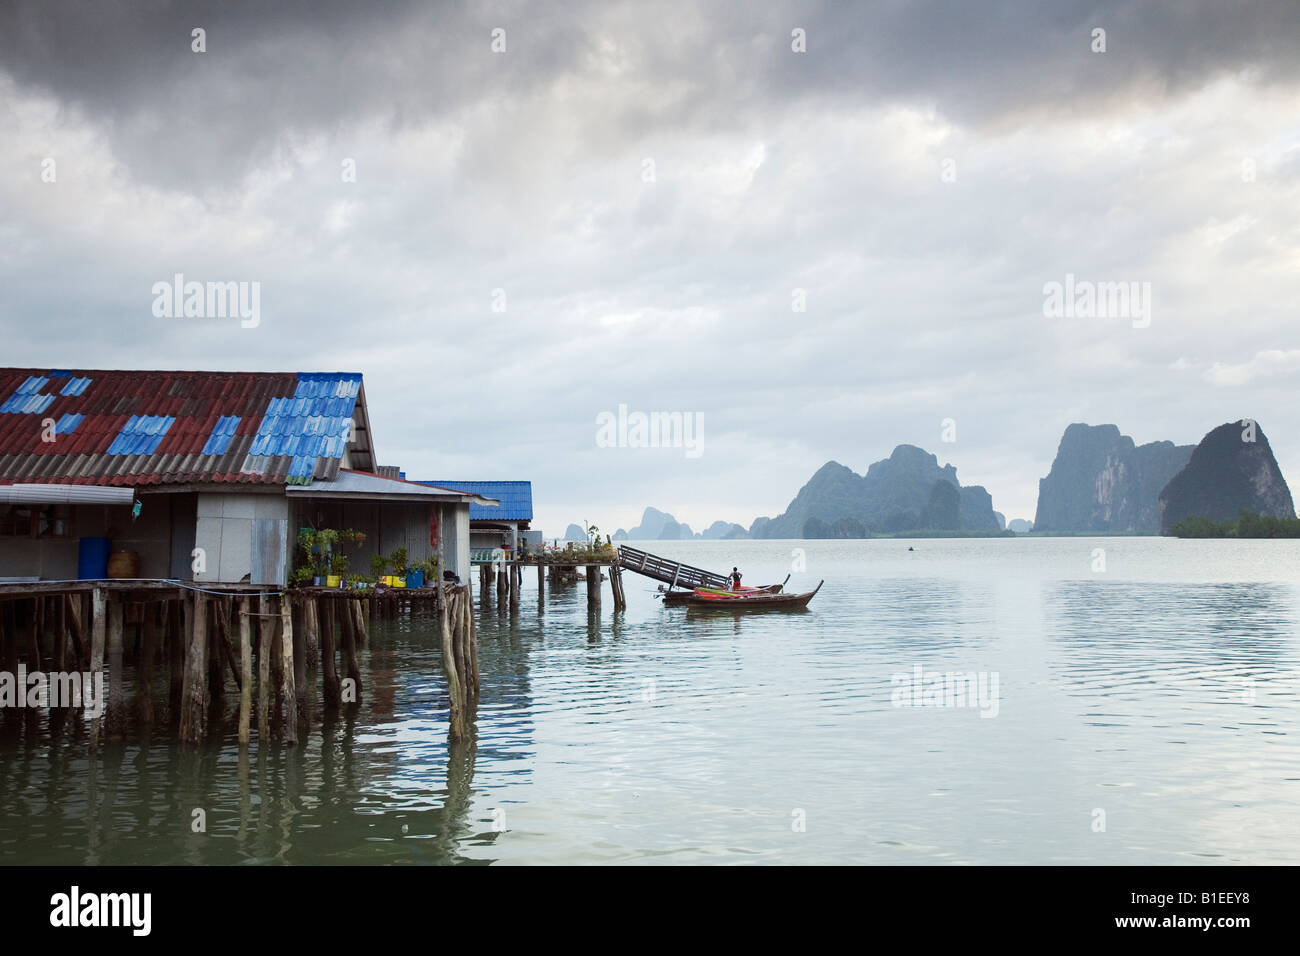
pixel 35 521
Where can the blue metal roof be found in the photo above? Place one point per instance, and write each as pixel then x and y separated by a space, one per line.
pixel 516 498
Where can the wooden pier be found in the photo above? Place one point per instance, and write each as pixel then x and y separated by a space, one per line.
pixel 287 654
pixel 205 638
pixel 506 578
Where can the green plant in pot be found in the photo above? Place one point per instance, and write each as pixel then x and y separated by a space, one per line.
pixel 339 566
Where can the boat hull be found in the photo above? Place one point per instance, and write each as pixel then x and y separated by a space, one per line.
pixel 680 597
pixel 748 601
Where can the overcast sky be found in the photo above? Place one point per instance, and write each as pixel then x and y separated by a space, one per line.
pixel 648 184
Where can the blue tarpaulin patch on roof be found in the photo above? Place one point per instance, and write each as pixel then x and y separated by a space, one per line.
pixel 75 387
pixel 222 434
pixel 27 398
pixel 315 423
pixel 141 435
pixel 32 385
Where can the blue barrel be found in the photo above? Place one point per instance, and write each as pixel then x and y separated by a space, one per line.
pixel 92 558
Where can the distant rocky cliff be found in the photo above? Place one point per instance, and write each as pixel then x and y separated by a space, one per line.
pixel 897 494
pixel 1231 470
pixel 1102 482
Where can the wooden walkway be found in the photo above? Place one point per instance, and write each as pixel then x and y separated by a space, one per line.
pixel 670 572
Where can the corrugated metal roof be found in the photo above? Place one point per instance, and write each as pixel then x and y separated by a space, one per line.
pixel 516 498
pixel 365 484
pixel 147 427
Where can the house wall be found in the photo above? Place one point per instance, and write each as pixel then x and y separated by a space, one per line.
pixel 55 559
pixel 455 539
pixel 242 534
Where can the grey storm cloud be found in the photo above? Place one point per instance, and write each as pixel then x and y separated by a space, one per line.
pixel 275 72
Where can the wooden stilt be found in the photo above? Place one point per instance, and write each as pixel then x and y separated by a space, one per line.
pixel 57 623
pixel 72 608
pixel 216 657
pixel 289 730
pixel 34 636
pixel 277 668
pixel 348 628
pixel 245 668
pixel 144 666
pixel 471 649
pixel 515 581
pixel 455 692
pixel 300 657
pixel 329 668
pixel 265 635
pixel 227 610
pixel 194 697
pixel 311 639
pixel 176 640
pixel 593 586
pixel 359 619
pixel 98 631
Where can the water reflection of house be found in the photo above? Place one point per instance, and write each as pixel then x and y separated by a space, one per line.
pixel 204 476
pixel 501 525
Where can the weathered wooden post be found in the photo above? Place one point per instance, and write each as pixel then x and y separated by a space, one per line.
pixel 74 619
pixel 34 635
pixel 593 586
pixel 194 698
pixel 299 611
pixel 245 668
pixel 455 690
pixel 265 637
pixel 98 627
pixel 144 667
pixel 616 586
pixel 57 621
pixel 359 620
pixel 289 730
pixel 329 670
pixel 311 639
pixel 348 628
pixel 516 576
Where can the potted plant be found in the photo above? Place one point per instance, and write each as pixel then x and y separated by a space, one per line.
pixel 338 571
pixel 429 572
pixel 397 560
pixel 320 558
pixel 422 572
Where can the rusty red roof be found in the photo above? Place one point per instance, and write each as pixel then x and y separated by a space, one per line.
pixel 84 426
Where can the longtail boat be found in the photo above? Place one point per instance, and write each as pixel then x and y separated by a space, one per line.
pixel 679 597
pixel 752 600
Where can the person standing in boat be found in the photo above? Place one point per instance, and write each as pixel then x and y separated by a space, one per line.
pixel 735 579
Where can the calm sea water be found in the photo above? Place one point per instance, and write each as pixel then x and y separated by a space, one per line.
pixel 1146 713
